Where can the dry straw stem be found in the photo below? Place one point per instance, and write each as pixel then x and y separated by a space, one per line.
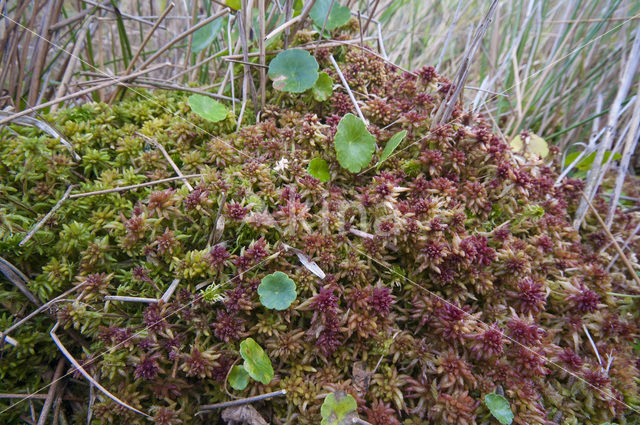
pixel 39 310
pixel 141 48
pixel 446 108
pixel 167 157
pixel 84 373
pixel 208 407
pixel 348 89
pixel 46 217
pixel 134 186
pixel 53 389
pixel 73 59
pixel 182 35
pixel 630 145
pixel 594 176
pixel 114 80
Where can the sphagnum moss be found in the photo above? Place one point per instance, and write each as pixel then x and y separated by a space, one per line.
pixel 452 270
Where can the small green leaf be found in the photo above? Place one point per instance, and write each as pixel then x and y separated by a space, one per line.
pixel 533 143
pixel 238 378
pixel 207 108
pixel 293 71
pixel 338 16
pixel 234 4
pixel 391 145
pixel 319 169
pixel 338 408
pixel 323 88
pixel 353 143
pixel 203 37
pixel 277 291
pixel 256 362
pixel 587 162
pixel 499 407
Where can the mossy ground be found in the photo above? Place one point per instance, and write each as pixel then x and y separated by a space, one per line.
pixel 452 271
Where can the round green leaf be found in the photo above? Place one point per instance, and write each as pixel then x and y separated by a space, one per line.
pixel 323 88
pixel 338 16
pixel 499 407
pixel 203 37
pixel 353 143
pixel 319 169
pixel 293 71
pixel 207 108
pixel 277 291
pixel 256 362
pixel 234 4
pixel 391 145
pixel 238 378
pixel 338 408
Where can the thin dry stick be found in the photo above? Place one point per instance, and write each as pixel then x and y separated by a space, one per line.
pixel 446 108
pixel 141 48
pixel 84 373
pixel 115 80
pixel 159 85
pixel 170 290
pixel 167 157
pixel 371 15
pixel 194 17
pixel 243 30
pixel 263 60
pixel 52 392
pixel 324 25
pixel 73 59
pixel 346 86
pixel 41 49
pixel 133 186
pixel 38 310
pixel 615 243
pixel 303 17
pixel 46 217
pixel 182 35
pixel 130 299
pixel 281 28
pixel 206 407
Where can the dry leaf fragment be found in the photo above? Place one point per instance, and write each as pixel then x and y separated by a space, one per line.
pixel 245 414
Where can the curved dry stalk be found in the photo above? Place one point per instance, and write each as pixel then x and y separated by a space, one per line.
pixel 348 89
pixel 84 373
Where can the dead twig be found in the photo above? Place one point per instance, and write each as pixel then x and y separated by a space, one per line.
pixel 5 334
pixel 207 407
pixel 348 89
pixel 141 48
pixel 52 392
pixel 114 80
pixel 133 186
pixel 181 36
pixel 167 157
pixel 46 217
